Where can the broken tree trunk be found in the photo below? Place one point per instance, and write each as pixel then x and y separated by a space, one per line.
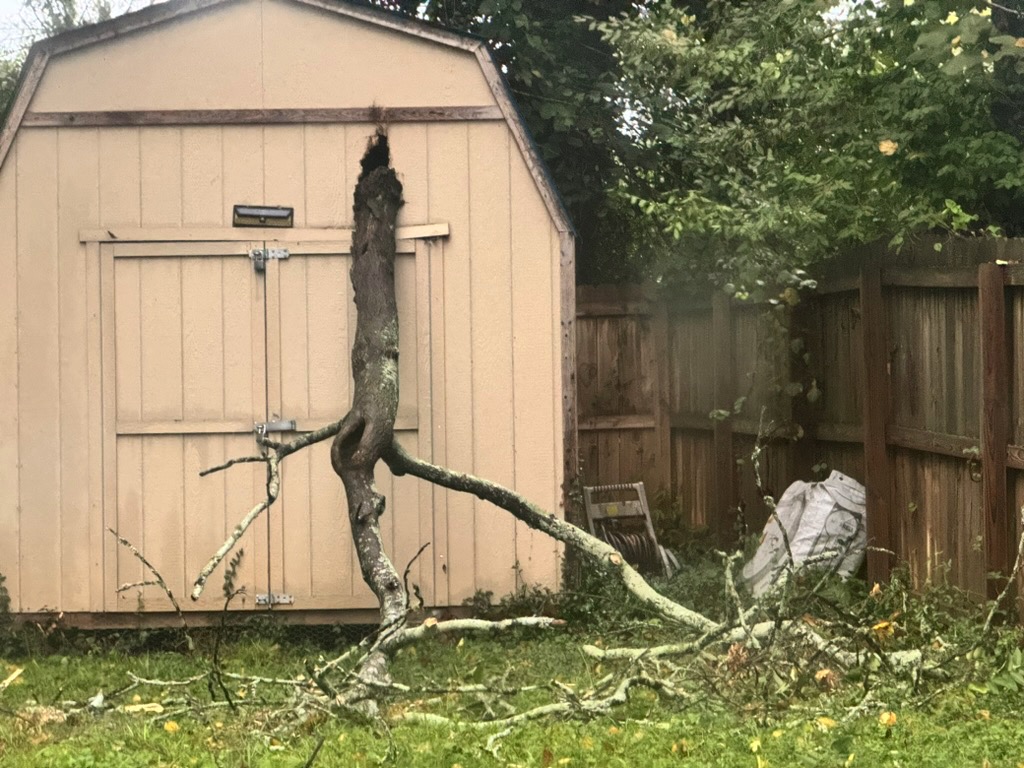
pixel 366 431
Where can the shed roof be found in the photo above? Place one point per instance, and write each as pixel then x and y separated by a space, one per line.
pixel 96 34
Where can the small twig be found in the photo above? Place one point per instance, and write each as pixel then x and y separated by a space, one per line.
pixel 734 595
pixel 1003 8
pixel 233 462
pixel 405 576
pixel 1010 582
pixel 158 581
pixel 134 584
pixel 316 751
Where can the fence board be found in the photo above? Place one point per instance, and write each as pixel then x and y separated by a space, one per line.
pixel 898 404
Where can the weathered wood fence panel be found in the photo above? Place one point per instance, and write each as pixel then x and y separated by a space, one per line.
pixel 906 378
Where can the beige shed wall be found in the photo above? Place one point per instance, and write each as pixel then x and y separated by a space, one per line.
pixel 261 54
pixel 494 386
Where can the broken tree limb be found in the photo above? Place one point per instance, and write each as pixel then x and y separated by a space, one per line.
pixel 273 461
pixel 401 463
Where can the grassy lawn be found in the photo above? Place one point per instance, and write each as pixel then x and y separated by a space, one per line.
pixel 723 724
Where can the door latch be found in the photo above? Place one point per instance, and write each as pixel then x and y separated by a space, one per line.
pixel 260 257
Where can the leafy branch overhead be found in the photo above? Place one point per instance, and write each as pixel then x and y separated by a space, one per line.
pixel 776 133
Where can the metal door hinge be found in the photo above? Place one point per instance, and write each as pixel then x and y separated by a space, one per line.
pixel 274 598
pixel 260 257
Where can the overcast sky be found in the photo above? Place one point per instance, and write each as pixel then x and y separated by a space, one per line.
pixel 10 29
pixel 14 20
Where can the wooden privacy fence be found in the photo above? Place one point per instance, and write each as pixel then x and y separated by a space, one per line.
pixel 901 371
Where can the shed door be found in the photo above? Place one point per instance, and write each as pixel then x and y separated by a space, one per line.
pixel 184 334
pixel 203 346
pixel 311 321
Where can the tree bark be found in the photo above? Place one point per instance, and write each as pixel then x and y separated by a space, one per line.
pixel 367 430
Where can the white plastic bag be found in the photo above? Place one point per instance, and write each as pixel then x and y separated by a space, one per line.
pixel 824 521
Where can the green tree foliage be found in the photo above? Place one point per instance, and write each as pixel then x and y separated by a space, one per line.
pixel 778 131
pixel 8 80
pixel 565 80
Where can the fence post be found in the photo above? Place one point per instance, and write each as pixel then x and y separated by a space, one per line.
pixel 662 394
pixel 995 422
pixel 725 397
pixel 875 389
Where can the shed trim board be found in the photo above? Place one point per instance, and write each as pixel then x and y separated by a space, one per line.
pixel 41 52
pixel 177 117
pixel 332 235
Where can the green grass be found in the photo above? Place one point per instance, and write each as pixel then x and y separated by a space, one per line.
pixel 714 727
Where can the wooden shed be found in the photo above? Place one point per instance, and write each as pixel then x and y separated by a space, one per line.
pixel 143 335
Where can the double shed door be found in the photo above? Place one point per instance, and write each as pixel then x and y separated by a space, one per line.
pixel 203 344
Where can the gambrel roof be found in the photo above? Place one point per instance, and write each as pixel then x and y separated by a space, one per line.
pixel 44 53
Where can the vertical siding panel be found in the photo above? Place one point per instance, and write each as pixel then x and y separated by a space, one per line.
pixel 246 398
pixel 127 300
pixel 202 163
pixel 424 411
pixel 408 143
pixel 97 434
pixel 163 509
pixel 293 321
pixel 128 511
pixel 161 336
pixel 493 394
pixel 38 377
pixel 403 516
pixel 203 514
pixel 449 201
pixel 284 184
pixel 437 425
pixel 284 161
pixel 160 176
pixel 535 381
pixel 78 153
pixel 241 326
pixel 330 547
pixel 10 555
pixel 274 368
pixel 242 167
pixel 294 508
pixel 203 398
pixel 295 325
pixel 243 171
pixel 203 336
pixel 328 351
pixel 405 521
pixel 328 189
pixel 120 204
pixel 120 201
pixel 243 486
